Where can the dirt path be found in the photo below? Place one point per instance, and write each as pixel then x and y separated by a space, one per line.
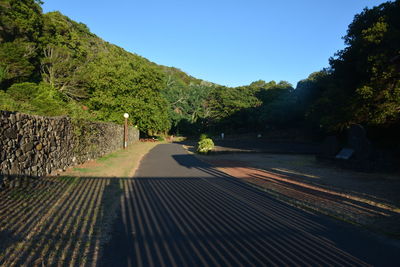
pixel 64 220
pixel 371 200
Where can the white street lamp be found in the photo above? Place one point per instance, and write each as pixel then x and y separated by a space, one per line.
pixel 126 116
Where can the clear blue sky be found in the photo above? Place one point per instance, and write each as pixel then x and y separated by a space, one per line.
pixel 226 42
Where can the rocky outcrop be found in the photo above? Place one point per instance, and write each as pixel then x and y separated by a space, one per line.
pixel 35 145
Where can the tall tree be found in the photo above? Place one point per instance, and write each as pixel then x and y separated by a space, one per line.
pixel 367 71
pixel 21 26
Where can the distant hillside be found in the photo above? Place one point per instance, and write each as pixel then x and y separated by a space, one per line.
pixel 52 65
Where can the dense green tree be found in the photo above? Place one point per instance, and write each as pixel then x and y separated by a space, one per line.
pixel 66 65
pixel 52 65
pixel 310 89
pixel 313 103
pixel 278 106
pixel 20 19
pixel 16 62
pixel 224 102
pixel 21 25
pixel 119 85
pixel 366 73
pixel 186 102
pixel 40 99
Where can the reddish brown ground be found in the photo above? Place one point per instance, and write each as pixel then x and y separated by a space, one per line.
pixel 371 200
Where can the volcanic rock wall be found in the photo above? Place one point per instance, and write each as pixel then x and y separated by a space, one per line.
pixel 35 145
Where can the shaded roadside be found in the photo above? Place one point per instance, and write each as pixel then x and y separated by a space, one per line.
pixel 255 145
pixel 65 219
pixel 184 212
pixel 370 200
pixel 265 146
pixel 57 220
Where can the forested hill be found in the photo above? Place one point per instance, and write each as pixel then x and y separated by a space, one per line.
pixel 51 65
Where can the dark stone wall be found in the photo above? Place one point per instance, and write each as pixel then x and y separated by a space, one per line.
pixel 35 145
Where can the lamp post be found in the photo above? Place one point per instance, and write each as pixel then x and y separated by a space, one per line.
pixel 126 116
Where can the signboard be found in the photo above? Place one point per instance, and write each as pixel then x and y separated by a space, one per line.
pixel 345 153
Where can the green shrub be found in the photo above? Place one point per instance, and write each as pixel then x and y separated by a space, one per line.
pixel 205 146
pixel 31 98
pixel 40 99
pixel 47 102
pixel 6 102
pixel 203 136
pixel 23 92
pixel 160 138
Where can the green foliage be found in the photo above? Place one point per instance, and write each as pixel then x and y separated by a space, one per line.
pixel 62 71
pixel 16 62
pixel 224 102
pixel 130 85
pixel 187 102
pixel 160 138
pixel 47 101
pixel 34 99
pixel 20 28
pixel 253 107
pixel 40 99
pixel 23 92
pixel 71 71
pixel 366 73
pixel 6 102
pixel 204 146
pixel 60 31
pixel 203 136
pixel 51 65
pixel 310 89
pixel 20 19
pixel 278 104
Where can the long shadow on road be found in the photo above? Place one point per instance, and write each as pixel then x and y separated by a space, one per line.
pixel 179 211
pixel 56 220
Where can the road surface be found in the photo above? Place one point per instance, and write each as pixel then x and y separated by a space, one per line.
pixel 179 211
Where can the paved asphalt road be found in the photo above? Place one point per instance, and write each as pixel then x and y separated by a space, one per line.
pixel 178 211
